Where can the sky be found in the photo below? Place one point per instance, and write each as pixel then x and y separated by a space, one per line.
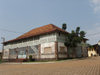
pixel 20 16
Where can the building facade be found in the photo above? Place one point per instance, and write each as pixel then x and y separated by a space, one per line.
pixel 46 42
pixel 94 51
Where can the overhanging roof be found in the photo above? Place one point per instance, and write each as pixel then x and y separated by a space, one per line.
pixel 38 31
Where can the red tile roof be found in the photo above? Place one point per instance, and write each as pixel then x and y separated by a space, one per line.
pixel 39 31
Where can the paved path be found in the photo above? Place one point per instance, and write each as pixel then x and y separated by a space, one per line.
pixel 89 66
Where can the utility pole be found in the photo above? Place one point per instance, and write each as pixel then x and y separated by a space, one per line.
pixel 3 40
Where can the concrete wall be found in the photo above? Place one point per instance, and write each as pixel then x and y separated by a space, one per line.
pixel 92 52
pixel 61 37
pixel 43 39
pixel 79 51
pixel 47 40
pixel 48 55
pixel 6 54
pixel 62 54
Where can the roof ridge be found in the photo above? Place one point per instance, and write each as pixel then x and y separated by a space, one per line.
pixel 54 26
pixel 39 31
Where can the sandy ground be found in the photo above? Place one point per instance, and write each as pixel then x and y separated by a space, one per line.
pixel 90 66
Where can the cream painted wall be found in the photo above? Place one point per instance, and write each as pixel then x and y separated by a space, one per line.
pixel 93 52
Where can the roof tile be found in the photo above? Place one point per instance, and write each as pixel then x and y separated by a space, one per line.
pixel 38 31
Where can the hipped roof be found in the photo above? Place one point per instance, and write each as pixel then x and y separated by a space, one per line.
pixel 38 31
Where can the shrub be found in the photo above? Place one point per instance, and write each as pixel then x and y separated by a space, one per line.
pixel 30 58
pixel 0 60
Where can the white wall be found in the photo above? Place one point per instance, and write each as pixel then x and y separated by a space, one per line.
pixel 60 44
pixel 47 40
pixel 6 54
pixel 43 39
pixel 52 54
pixel 61 37
pixel 62 55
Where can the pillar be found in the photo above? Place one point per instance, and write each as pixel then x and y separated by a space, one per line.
pixel 56 50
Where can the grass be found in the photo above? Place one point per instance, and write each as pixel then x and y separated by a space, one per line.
pixel 60 60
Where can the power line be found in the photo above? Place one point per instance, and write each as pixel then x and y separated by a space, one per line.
pixel 93 34
pixel 2 29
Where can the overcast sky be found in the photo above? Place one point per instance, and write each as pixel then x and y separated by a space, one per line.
pixel 21 16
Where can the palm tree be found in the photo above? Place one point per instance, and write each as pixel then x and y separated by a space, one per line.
pixel 77 31
pixel 64 26
pixel 82 34
pixel 73 39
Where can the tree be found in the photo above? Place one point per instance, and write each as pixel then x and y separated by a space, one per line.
pixel 73 39
pixel 64 26
pixel 82 34
pixel 77 30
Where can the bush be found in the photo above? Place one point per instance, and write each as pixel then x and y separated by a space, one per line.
pixel 30 58
pixel 0 60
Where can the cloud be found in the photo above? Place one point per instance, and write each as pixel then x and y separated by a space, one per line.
pixel 95 5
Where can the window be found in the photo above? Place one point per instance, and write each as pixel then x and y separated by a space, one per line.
pixel 62 49
pixel 47 50
pixel 22 52
pixel 12 52
pixel 36 38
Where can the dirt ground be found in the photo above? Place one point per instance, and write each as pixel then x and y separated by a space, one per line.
pixel 89 66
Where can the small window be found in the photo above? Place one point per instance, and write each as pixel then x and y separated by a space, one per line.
pixel 62 49
pixel 47 50
pixel 36 38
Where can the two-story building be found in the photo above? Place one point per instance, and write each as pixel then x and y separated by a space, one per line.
pixel 46 42
pixel 94 51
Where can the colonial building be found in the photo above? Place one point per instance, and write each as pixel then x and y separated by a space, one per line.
pixel 94 51
pixel 46 42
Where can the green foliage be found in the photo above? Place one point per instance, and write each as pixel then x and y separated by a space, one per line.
pixel 90 46
pixel 73 39
pixel 77 30
pixel 64 26
pixel 0 61
pixel 30 58
pixel 82 34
